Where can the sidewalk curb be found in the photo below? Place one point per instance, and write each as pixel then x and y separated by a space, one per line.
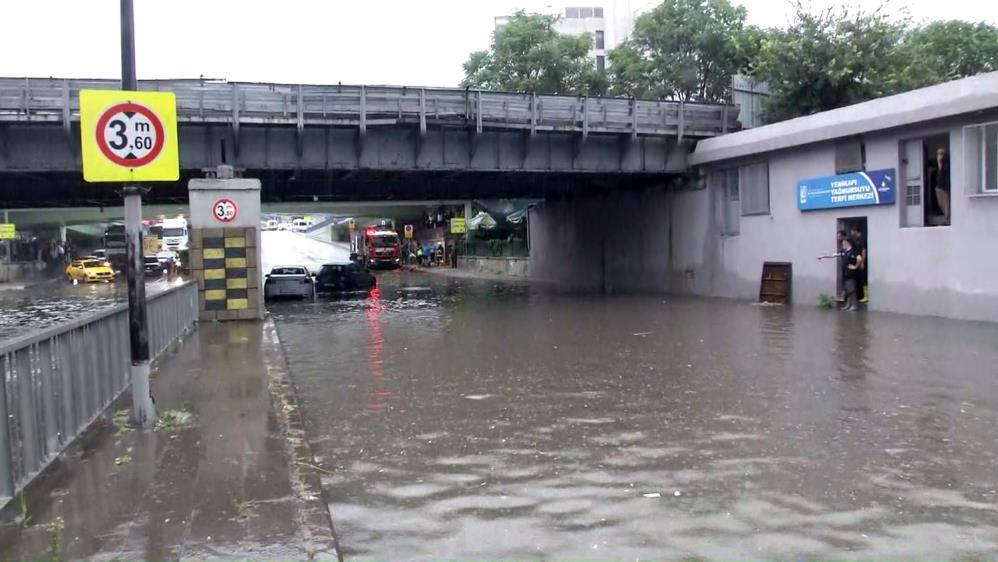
pixel 314 518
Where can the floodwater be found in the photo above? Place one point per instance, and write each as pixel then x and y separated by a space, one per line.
pixel 495 420
pixel 51 302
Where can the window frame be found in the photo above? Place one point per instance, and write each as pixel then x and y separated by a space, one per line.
pixel 983 188
pixel 599 40
pixel 769 199
pixel 601 63
pixel 730 222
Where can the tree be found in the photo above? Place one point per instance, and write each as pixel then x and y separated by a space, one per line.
pixel 528 55
pixel 947 50
pixel 830 59
pixel 682 49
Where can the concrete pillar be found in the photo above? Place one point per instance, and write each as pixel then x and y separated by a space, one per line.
pixel 225 251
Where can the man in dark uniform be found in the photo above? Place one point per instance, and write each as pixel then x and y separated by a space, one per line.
pixel 859 245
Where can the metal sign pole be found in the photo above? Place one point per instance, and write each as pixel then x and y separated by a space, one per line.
pixel 143 410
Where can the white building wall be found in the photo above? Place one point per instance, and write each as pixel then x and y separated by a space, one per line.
pixel 939 271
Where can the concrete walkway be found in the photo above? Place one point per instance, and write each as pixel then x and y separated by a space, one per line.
pixel 225 483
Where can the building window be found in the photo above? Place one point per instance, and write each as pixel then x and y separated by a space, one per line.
pixel 598 12
pixel 585 12
pixel 600 63
pixel 731 206
pixel 599 42
pixel 850 156
pixel 989 159
pixel 572 13
pixel 753 181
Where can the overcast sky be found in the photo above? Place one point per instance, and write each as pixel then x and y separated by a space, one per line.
pixel 404 42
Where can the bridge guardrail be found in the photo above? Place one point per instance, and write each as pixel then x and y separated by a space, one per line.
pixel 56 381
pixel 57 100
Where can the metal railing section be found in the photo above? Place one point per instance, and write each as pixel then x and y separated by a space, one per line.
pixel 207 101
pixel 58 380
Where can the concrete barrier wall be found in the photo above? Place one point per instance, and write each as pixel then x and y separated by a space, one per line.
pixel 513 267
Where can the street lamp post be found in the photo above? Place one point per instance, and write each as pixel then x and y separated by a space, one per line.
pixel 143 409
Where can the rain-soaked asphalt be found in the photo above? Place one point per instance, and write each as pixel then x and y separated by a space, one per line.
pixel 494 420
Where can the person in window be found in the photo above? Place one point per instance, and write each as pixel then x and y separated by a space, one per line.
pixel 939 179
pixel 851 261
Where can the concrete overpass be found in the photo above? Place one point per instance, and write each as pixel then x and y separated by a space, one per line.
pixel 346 143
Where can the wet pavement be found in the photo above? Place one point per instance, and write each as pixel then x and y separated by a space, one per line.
pixel 47 303
pixel 217 485
pixel 463 418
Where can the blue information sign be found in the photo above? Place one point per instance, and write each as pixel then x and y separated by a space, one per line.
pixel 876 187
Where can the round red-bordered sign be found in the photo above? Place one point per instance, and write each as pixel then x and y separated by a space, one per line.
pixel 224 210
pixel 125 128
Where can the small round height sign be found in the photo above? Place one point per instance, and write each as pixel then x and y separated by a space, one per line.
pixel 224 210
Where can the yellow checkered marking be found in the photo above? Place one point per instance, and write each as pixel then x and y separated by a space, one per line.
pixel 214 295
pixel 226 260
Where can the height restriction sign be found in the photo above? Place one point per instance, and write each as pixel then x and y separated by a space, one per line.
pixel 129 136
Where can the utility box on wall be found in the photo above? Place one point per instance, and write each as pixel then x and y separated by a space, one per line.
pixel 225 251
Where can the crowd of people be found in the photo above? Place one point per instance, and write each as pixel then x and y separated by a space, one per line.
pixel 428 255
pixel 55 254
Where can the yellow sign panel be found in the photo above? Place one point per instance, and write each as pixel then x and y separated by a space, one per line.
pixel 7 231
pixel 458 225
pixel 408 231
pixel 129 136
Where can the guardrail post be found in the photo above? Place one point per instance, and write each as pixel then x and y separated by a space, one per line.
pixel 6 461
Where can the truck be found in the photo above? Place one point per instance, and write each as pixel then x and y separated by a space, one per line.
pixel 377 247
pixel 175 234
pixel 116 249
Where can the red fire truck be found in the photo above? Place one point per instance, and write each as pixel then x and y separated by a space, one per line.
pixel 377 247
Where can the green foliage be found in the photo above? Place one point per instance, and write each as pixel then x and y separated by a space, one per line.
pixel 825 302
pixel 528 55
pixel 947 50
pixel 683 49
pixel 829 59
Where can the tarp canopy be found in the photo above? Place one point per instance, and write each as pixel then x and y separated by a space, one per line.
pixel 516 217
pixel 482 220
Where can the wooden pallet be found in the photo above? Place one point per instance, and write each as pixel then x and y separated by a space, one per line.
pixel 776 282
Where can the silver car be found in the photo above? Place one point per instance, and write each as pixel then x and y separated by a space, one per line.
pixel 289 281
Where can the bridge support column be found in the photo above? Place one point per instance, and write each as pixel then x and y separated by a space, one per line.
pixel 225 249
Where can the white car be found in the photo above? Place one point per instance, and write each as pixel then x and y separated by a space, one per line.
pixel 284 226
pixel 289 281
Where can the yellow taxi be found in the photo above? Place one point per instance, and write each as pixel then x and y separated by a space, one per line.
pixel 90 271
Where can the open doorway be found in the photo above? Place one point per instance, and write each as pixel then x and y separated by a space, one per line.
pixel 926 183
pixel 855 228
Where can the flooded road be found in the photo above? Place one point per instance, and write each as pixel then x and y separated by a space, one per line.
pixel 493 420
pixel 51 302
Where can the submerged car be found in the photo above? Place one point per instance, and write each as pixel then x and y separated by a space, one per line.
pixel 289 281
pixel 152 266
pixel 344 277
pixel 90 271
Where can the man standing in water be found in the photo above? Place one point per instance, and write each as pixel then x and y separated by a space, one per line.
pixel 851 262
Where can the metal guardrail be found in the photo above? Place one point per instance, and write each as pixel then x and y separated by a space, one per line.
pixel 58 380
pixel 207 101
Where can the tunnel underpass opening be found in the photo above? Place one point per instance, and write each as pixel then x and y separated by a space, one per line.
pixel 21 190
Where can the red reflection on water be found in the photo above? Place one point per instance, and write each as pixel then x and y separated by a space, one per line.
pixel 378 395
